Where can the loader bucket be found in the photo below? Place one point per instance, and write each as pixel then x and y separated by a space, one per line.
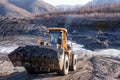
pixel 38 57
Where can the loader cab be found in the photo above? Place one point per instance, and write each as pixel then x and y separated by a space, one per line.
pixel 58 37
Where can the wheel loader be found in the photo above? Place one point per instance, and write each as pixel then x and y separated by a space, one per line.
pixel 54 56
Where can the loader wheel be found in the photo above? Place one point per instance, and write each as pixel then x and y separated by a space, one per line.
pixel 73 66
pixel 65 69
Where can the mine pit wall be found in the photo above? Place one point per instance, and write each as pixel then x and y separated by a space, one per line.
pixel 100 34
pixel 21 29
pixel 97 34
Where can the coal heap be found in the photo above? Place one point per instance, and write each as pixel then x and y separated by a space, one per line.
pixel 16 27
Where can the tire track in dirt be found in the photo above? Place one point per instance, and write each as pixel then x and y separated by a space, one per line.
pixel 83 72
pixel 105 68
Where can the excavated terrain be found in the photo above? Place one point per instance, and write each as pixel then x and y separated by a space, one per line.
pixel 8 72
pixel 15 33
pixel 94 68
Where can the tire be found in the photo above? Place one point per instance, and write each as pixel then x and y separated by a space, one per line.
pixel 73 65
pixel 65 68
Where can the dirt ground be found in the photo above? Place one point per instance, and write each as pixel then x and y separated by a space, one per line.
pixel 105 68
pixel 8 72
pixel 93 68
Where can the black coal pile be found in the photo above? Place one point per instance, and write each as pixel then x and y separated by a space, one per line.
pixel 87 31
pixel 16 27
pixel 94 40
pixel 21 31
pixel 31 51
pixel 106 40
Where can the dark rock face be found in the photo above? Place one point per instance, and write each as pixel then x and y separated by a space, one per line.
pixel 97 35
pixel 93 34
pixel 14 27
pixel 99 41
pixel 21 32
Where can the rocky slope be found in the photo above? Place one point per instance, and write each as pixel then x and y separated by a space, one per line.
pixel 22 28
pixel 99 2
pixel 10 10
pixel 25 8
pixel 68 7
pixel 33 6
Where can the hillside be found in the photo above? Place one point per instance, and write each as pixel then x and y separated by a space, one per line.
pixel 102 12
pixel 24 8
pixel 68 7
pixel 10 10
pixel 100 2
pixel 33 6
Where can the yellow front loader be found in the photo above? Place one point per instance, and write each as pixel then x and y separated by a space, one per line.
pixel 55 56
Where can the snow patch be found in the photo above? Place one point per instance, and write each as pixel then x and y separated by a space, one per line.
pixel 108 53
pixel 7 49
pixel 80 50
